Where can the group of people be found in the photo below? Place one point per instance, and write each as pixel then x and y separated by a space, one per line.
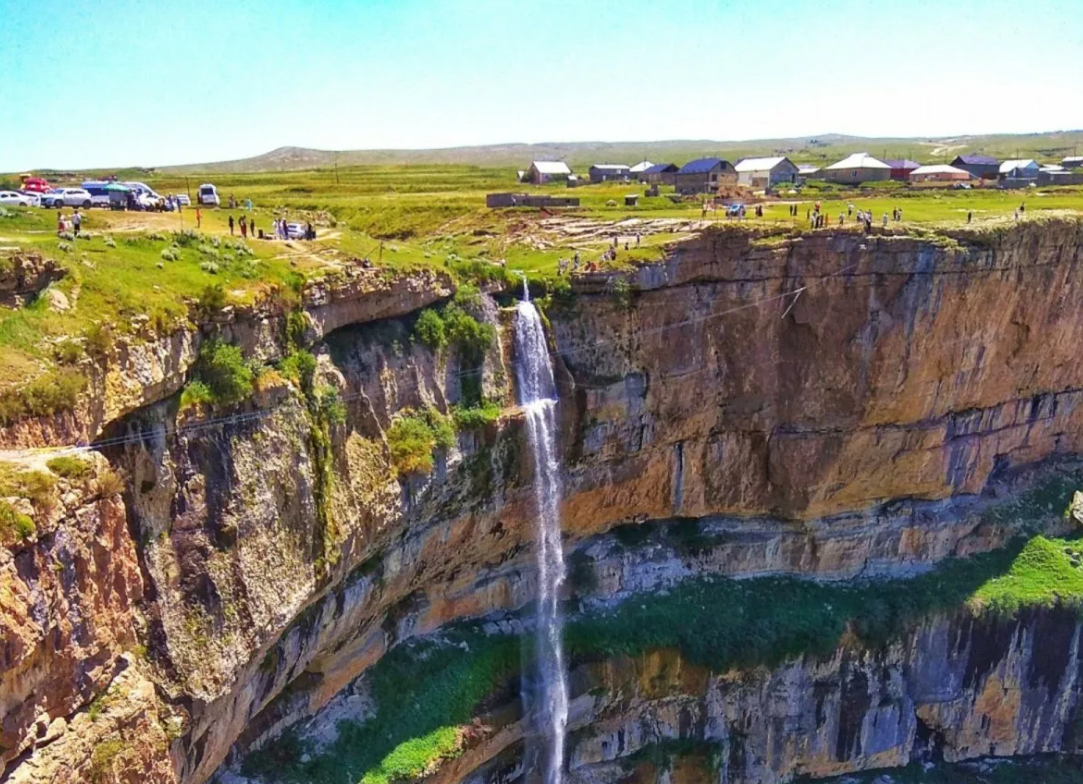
pixel 280 228
pixel 245 225
pixel 74 223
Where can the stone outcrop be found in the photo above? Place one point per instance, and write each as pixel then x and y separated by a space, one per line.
pixel 68 612
pixel 25 275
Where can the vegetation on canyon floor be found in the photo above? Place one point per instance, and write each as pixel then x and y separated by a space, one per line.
pixel 427 692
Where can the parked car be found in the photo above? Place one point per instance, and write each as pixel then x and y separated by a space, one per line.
pixel 13 199
pixel 33 198
pixel 295 231
pixel 66 197
pixel 182 199
pixel 208 195
pixel 37 185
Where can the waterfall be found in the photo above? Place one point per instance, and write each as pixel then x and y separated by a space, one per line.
pixel 548 707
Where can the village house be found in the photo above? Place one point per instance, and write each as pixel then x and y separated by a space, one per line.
pixel 660 174
pixel 639 168
pixel 856 168
pixel 1072 162
pixel 902 168
pixel 807 171
pixel 541 172
pixel 982 166
pixel 604 172
pixel 704 175
pixel 1019 169
pixel 940 172
pixel 764 173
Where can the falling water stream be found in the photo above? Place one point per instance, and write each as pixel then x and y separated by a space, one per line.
pixel 548 702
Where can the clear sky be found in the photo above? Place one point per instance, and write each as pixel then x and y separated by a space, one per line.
pixel 88 83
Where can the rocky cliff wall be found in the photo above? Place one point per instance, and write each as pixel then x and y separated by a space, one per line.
pixel 903 367
pixel 281 556
pixel 955 688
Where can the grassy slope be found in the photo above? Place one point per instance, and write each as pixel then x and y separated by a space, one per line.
pixel 426 692
pixel 401 217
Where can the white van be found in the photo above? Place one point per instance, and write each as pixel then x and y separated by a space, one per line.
pixel 208 194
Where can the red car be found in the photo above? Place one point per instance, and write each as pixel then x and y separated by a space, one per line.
pixel 36 184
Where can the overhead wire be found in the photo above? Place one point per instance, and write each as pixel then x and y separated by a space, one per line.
pixel 166 431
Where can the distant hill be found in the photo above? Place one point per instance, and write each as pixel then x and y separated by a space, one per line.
pixel 820 149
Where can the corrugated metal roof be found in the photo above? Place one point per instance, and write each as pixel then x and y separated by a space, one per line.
pixel 859 160
pixel 642 166
pixel 758 164
pixel 611 167
pixel 939 168
pixel 976 159
pixel 1019 163
pixel 699 166
pixel 1073 159
pixel 660 168
pixel 551 167
pixel 903 163
pixel 807 168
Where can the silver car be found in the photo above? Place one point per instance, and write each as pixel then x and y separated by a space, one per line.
pixel 66 197
pixel 13 199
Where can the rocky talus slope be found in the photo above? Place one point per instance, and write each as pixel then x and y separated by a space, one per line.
pixel 837 412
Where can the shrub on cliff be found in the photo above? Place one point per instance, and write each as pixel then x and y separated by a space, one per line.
pixel 69 467
pixel 471 337
pixel 300 368
pixel 48 394
pixel 476 417
pixel 14 525
pixel 429 329
pixel 414 436
pixel 223 370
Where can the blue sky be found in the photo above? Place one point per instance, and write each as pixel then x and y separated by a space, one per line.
pixel 89 83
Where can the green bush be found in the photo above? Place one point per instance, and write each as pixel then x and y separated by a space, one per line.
pixel 476 417
pixel 14 525
pixel 196 394
pixel 52 393
pixel 429 329
pixel 223 369
pixel 471 337
pixel 414 436
pixel 69 467
pixel 330 405
pixel 299 367
pixel 212 299
pixel 99 339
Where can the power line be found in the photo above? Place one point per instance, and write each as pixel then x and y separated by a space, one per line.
pixel 255 416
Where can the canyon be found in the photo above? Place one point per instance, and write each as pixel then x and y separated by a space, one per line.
pixel 795 469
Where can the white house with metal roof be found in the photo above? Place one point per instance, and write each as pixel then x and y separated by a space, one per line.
pixel 766 172
pixel 545 171
pixel 1020 169
pixel 640 167
pixel 856 168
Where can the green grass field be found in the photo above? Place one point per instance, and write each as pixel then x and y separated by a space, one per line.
pixel 401 217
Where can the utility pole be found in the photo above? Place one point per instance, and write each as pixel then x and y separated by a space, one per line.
pixel 188 187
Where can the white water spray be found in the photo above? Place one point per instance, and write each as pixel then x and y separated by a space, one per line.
pixel 538 397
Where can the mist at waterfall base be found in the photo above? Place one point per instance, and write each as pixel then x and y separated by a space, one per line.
pixel 545 694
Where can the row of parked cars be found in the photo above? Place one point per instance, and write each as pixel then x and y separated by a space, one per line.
pixel 103 193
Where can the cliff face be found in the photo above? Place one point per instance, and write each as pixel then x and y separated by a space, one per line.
pixel 953 688
pixel 272 560
pixel 902 368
